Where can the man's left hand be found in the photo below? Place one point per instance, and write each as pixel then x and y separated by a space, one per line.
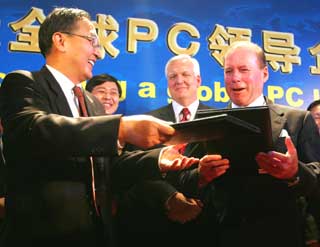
pixel 279 165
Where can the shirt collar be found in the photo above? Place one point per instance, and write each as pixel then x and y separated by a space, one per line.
pixel 260 101
pixel 193 107
pixel 67 88
pixel 65 83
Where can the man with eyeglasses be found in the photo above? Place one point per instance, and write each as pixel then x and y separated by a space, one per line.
pixel 51 150
pixel 107 90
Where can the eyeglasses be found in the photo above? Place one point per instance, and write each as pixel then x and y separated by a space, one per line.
pixel 94 40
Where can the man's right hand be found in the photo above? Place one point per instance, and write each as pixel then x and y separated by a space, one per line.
pixel 144 131
pixel 210 167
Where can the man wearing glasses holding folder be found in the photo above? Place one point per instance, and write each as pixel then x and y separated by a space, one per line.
pixel 259 209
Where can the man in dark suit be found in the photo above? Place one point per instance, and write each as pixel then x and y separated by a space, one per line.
pixel 50 151
pixel 259 209
pixel 156 208
pixel 314 108
pixel 2 179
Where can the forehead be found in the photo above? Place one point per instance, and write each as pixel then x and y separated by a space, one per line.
pixel 107 85
pixel 315 109
pixel 241 56
pixel 84 24
pixel 182 64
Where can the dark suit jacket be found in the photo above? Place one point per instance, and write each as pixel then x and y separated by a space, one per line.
pixel 141 207
pixel 259 210
pixel 2 171
pixel 47 151
pixel 166 113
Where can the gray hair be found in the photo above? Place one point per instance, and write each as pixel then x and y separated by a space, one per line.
pixel 196 66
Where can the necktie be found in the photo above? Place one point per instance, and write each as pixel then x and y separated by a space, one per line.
pixel 184 116
pixel 84 113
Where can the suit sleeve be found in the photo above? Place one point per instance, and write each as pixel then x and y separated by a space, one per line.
pixel 33 127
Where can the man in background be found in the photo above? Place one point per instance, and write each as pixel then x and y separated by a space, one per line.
pixel 313 209
pixel 108 91
pixel 155 212
pixel 314 108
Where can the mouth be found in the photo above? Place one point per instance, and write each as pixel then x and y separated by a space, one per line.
pixel 238 89
pixel 92 62
pixel 107 105
pixel 180 88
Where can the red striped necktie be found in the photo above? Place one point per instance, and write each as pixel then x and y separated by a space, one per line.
pixel 184 116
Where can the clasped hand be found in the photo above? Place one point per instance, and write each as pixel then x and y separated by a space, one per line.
pixel 182 209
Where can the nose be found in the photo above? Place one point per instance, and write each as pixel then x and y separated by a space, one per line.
pixel 235 76
pixel 179 78
pixel 99 52
pixel 107 95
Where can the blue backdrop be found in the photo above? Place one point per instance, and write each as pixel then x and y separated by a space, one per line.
pixel 139 36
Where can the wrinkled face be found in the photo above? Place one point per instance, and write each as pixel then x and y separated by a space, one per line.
pixel 315 112
pixel 244 76
pixel 182 82
pixel 108 94
pixel 82 50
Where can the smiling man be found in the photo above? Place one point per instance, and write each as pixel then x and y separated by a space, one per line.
pixel 156 208
pixel 108 91
pixel 259 208
pixel 57 137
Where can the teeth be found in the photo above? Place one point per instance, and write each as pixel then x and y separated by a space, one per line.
pixel 90 61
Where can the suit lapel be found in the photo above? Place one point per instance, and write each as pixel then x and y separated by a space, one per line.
pixel 278 120
pixel 167 114
pixel 56 93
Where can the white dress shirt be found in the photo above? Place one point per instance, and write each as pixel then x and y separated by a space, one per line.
pixel 67 87
pixel 177 108
pixel 260 101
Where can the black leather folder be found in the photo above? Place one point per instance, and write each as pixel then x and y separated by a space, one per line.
pixel 242 148
pixel 212 128
pixel 237 134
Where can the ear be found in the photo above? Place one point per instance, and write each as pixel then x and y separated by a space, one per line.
pixel 198 78
pixel 58 41
pixel 265 72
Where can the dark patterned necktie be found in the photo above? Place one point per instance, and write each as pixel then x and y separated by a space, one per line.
pixel 184 116
pixel 84 113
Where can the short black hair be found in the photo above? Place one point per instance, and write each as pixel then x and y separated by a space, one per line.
pixel 99 79
pixel 59 20
pixel 313 104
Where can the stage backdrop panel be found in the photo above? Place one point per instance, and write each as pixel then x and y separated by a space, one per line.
pixel 140 36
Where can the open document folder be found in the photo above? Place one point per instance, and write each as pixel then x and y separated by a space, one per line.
pixel 237 134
